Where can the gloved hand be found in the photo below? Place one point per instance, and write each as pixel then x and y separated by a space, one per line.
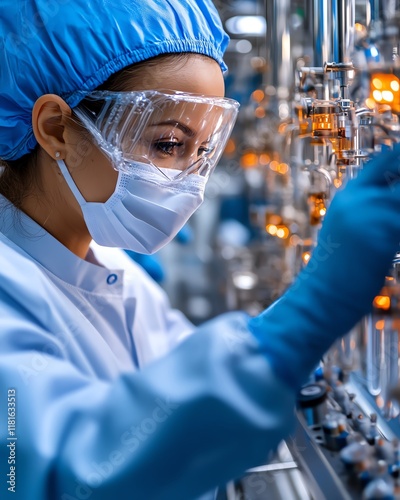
pixel 357 242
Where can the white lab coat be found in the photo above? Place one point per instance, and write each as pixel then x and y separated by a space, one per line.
pixel 89 424
pixel 127 314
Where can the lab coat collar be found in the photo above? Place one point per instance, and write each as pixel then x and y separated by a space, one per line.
pixel 87 274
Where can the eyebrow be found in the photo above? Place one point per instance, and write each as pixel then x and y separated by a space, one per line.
pixel 185 129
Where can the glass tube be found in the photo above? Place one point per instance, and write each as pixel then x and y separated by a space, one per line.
pixel 383 348
pixel 324 119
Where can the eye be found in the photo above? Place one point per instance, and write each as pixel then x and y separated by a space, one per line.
pixel 204 150
pixel 167 147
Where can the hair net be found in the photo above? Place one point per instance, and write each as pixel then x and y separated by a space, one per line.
pixel 68 46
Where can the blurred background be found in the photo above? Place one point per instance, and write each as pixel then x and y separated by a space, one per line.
pixel 319 86
pixel 240 250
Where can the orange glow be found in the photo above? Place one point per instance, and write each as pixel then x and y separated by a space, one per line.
pixel 230 147
pixel 317 206
pixel 377 83
pixel 282 232
pixel 335 144
pixel 395 85
pixel 282 127
pixel 295 240
pixel 370 103
pixel 377 95
pixel 387 95
pixel 275 226
pixel 283 168
pixel 306 257
pixel 249 160
pixel 274 219
pixel 260 112
pixel 258 95
pixel 337 183
pixel 385 89
pixel 382 302
pixel 264 159
pixel 274 165
pixel 304 127
pixel 380 324
pixel 379 401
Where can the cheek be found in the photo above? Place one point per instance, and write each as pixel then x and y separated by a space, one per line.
pixel 96 178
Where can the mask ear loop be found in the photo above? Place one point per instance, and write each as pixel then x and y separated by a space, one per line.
pixel 70 181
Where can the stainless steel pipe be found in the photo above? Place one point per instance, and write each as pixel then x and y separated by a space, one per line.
pixel 281 73
pixel 343 29
pixel 323 28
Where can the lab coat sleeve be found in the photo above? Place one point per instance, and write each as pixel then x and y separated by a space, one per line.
pixel 184 424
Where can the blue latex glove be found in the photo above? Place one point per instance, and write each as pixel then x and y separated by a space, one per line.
pixel 357 242
pixel 185 235
pixel 150 263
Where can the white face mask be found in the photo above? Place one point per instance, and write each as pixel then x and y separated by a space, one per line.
pixel 144 213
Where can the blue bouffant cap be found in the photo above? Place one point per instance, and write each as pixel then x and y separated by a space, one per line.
pixel 65 46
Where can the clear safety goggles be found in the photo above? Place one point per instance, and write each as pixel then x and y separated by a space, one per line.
pixel 176 133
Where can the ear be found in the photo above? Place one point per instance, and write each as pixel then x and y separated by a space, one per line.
pixel 49 117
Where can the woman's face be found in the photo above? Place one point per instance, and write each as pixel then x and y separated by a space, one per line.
pixel 92 170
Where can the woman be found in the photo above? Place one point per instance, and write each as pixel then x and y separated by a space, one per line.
pixel 112 117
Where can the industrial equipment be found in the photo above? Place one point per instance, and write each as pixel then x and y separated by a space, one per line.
pixel 329 101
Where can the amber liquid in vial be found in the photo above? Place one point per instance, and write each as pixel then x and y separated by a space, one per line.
pixel 324 125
